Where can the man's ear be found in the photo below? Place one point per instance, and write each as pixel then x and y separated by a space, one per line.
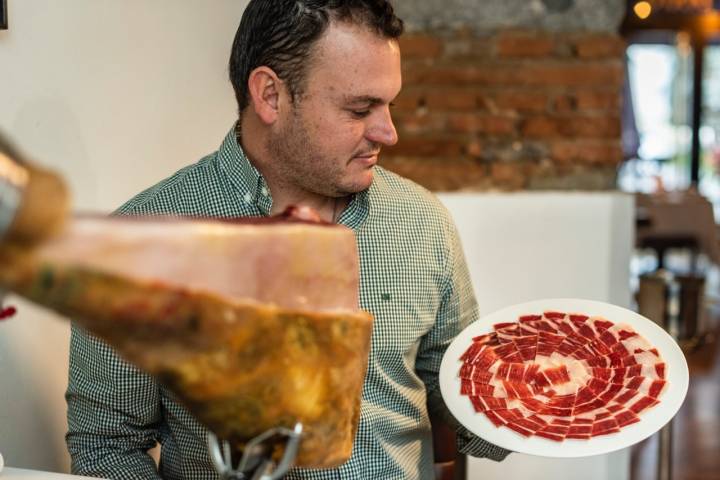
pixel 265 89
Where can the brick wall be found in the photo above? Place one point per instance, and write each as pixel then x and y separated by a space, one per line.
pixel 511 110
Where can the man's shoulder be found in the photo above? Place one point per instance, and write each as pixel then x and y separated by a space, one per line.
pixel 177 194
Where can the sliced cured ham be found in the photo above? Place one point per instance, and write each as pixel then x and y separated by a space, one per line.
pixel 562 376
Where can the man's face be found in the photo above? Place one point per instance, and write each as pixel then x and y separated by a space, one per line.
pixel 327 142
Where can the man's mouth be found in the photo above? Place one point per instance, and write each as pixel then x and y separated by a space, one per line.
pixel 367 155
pixel 367 159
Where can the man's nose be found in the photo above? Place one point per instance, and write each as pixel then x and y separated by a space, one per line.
pixel 383 130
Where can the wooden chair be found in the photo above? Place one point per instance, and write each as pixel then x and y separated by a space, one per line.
pixel 449 463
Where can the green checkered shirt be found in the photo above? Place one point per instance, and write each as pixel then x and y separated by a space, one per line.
pixel 413 279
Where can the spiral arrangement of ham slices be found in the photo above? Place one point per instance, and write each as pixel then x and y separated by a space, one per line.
pixel 562 376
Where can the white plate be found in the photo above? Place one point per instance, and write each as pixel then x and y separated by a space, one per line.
pixel 650 420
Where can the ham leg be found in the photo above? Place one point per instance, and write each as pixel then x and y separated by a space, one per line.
pixel 251 325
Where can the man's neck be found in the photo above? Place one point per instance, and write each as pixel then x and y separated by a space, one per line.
pixel 328 208
pixel 284 193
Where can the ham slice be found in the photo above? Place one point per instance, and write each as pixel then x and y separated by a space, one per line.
pixel 252 325
pixel 562 376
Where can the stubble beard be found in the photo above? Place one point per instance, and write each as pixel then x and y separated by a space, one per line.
pixel 300 163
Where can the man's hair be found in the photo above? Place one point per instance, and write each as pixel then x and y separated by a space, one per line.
pixel 280 34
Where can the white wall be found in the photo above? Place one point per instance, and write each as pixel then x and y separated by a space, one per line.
pixel 533 245
pixel 116 94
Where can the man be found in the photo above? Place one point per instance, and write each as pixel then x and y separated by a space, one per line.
pixel 314 81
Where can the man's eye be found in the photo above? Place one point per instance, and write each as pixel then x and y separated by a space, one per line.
pixel 360 113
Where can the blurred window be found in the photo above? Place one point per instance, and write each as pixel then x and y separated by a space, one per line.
pixel 660 84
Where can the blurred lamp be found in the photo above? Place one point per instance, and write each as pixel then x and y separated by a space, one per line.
pixel 642 10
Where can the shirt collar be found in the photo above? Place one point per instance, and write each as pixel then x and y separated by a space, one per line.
pixel 249 184
pixel 252 189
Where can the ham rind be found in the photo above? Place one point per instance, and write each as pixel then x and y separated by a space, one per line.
pixel 562 376
pixel 191 302
pixel 278 262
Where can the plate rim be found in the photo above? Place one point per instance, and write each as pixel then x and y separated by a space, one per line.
pixel 479 425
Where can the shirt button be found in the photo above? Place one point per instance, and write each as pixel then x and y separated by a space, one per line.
pixel 264 191
pixel 247 198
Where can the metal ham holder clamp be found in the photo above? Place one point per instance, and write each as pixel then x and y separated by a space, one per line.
pixel 256 462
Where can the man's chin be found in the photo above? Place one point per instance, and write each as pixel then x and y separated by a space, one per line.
pixel 360 183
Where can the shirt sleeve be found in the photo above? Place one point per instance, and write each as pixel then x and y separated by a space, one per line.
pixel 458 309
pixel 113 413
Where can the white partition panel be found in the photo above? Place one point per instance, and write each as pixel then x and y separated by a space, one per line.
pixel 533 245
pixel 115 94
